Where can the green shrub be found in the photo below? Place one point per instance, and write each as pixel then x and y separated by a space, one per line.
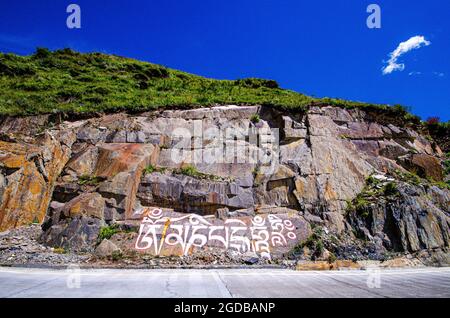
pixel 256 83
pixel 442 184
pixel 107 232
pixel 256 170
pixel 439 184
pixel 314 242
pixel 371 180
pixel 440 132
pixel 149 169
pixel 42 53
pixel 359 205
pixel 332 258
pixel 59 250
pixel 189 171
pixel 390 189
pixel 361 202
pixel 447 167
pixel 116 256
pixel 408 177
pixel 255 118
pixel 192 171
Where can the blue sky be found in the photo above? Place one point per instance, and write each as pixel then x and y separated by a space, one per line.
pixel 321 48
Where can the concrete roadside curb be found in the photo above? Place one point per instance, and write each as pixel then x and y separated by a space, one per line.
pixel 211 267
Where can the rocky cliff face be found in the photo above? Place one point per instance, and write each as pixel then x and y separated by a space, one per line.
pixel 228 162
pixel 29 166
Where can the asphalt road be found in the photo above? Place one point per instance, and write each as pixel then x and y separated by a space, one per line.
pixel 253 283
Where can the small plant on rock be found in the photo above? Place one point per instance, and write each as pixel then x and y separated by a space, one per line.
pixel 411 177
pixel 255 118
pixel 107 232
pixel 59 250
pixel 116 256
pixel 390 189
pixel 332 258
pixel 189 171
pixel 192 171
pixel 447 166
pixel 151 168
pixel 439 184
pixel 89 180
pixel 371 180
pixel 315 243
pixel 361 206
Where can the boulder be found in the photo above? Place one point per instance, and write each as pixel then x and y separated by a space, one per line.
pixel 87 204
pixel 425 166
pixel 84 162
pixel 106 249
pixel 250 258
pixel 122 166
pixel 74 225
pixel 75 234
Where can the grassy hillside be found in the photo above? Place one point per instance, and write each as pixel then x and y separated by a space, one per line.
pixel 67 81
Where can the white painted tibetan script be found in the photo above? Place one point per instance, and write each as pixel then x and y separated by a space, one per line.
pixel 259 234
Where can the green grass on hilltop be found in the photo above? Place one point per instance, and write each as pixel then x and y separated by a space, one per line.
pixel 68 81
pixel 72 82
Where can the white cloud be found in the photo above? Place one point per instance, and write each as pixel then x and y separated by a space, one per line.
pixel 440 74
pixel 414 73
pixel 413 43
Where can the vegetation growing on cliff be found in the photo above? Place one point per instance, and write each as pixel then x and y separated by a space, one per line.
pixel 192 171
pixel 107 232
pixel 372 191
pixel 72 82
pixel 440 132
pixel 89 180
pixel 151 168
pixel 187 170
